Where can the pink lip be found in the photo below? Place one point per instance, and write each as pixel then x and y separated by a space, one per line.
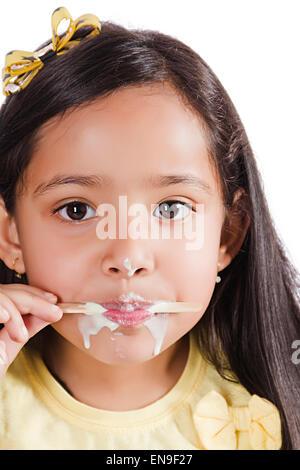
pixel 128 319
pixel 115 305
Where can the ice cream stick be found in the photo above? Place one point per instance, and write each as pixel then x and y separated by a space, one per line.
pixel 91 308
pixel 175 307
pixel 78 307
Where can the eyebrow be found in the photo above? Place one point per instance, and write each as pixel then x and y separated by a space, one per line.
pixel 158 181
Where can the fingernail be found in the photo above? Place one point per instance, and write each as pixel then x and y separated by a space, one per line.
pixel 56 309
pixel 24 332
pixel 4 314
pixel 51 297
pixel 3 355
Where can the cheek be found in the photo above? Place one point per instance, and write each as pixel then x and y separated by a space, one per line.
pixel 193 272
pixel 44 254
pixel 36 246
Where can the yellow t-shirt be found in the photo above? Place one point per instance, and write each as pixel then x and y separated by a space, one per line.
pixel 202 411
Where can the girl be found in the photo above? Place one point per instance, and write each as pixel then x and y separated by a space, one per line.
pixel 104 111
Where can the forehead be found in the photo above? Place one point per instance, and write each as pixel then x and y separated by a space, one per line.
pixel 130 132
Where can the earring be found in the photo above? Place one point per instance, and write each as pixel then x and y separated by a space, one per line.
pixel 18 275
pixel 218 278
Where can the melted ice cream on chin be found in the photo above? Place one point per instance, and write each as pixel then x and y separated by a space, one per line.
pixel 158 325
pixel 92 324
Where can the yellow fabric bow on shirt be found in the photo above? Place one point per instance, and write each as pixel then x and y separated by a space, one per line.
pixel 217 423
pixel 21 66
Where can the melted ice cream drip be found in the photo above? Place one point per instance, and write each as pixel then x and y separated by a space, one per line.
pixel 157 325
pixel 92 324
pixel 131 296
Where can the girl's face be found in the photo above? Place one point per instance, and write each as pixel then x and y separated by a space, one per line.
pixel 124 140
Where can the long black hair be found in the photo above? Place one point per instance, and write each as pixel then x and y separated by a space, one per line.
pixel 253 316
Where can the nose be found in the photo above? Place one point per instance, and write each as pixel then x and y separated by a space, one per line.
pixel 127 267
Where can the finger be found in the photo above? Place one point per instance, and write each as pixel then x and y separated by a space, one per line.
pixel 4 315
pixel 4 361
pixel 36 305
pixel 9 349
pixel 31 289
pixel 23 303
pixel 3 354
pixel 14 326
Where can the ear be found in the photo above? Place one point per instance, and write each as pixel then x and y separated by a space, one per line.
pixel 9 240
pixel 235 228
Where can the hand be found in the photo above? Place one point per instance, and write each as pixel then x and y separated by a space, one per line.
pixel 38 310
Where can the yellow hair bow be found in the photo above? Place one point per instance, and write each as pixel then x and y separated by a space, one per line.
pixel 21 66
pixel 217 423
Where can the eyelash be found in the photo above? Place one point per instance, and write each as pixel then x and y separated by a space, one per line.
pixel 169 201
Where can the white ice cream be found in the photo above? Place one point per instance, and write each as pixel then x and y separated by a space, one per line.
pixel 92 324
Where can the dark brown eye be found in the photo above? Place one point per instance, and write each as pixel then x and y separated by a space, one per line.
pixel 171 209
pixel 74 210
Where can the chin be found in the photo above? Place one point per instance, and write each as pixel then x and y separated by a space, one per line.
pixel 123 346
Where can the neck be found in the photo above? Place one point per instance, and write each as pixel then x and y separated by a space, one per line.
pixel 113 387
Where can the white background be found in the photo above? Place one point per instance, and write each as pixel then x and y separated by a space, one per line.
pixel 253 46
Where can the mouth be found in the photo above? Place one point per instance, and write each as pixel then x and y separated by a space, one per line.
pixel 127 314
pixel 128 320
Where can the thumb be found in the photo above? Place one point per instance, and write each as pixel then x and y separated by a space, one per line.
pixel 9 349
